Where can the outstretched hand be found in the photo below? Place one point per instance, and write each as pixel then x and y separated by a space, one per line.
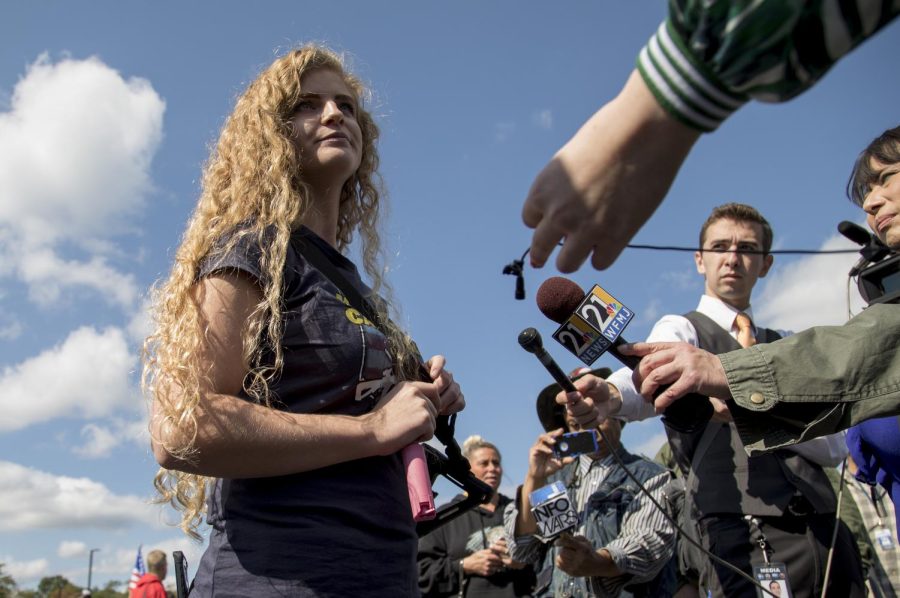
pixel 684 366
pixel 606 182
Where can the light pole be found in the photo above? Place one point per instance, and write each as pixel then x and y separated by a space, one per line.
pixel 91 566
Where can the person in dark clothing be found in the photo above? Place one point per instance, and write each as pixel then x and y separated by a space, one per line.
pixel 275 403
pixel 622 546
pixel 468 556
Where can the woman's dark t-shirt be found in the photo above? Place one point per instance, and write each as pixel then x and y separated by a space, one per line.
pixel 343 530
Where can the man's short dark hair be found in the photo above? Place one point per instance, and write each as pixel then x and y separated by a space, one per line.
pixel 885 149
pixel 738 212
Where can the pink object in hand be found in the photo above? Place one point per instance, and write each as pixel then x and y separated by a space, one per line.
pixel 421 499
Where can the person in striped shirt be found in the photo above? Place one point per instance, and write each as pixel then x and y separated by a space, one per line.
pixel 623 545
pixel 703 63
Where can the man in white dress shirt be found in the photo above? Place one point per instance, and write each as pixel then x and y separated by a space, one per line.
pixel 749 511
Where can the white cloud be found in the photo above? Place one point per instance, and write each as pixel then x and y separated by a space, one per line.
pixel 47 276
pixel 76 145
pixel 86 376
pixel 650 446
pixel 809 292
pixel 682 280
pixel 649 314
pixel 25 571
pixel 32 499
pixel 69 549
pixel 653 310
pixel 644 437
pixel 10 328
pixel 100 441
pixel 141 324
pixel 503 131
pixel 543 119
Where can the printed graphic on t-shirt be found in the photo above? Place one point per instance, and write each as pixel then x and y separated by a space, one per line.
pixel 376 375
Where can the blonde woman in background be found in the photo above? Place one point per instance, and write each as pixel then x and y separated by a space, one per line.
pixel 468 556
pixel 274 402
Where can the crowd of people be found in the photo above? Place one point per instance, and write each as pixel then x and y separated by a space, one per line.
pixel 283 391
pixel 775 516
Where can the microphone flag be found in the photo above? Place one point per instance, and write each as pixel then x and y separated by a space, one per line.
pixel 552 511
pixel 595 325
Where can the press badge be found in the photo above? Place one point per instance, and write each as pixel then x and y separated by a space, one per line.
pixel 884 537
pixel 772 577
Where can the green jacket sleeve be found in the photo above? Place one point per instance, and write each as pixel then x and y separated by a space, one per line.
pixel 711 56
pixel 816 382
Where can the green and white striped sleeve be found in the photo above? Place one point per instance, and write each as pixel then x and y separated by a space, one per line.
pixel 683 85
pixel 709 58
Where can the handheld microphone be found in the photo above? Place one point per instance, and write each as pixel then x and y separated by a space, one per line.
pixel 563 301
pixel 552 511
pixel 854 232
pixel 530 340
pixel 872 250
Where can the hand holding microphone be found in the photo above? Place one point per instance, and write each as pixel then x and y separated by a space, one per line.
pixel 582 410
pixel 452 399
pixel 591 324
pixel 669 371
pixel 418 480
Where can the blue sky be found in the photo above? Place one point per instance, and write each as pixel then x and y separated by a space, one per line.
pixel 107 111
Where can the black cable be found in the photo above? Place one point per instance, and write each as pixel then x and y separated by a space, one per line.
pixel 834 533
pixel 750 251
pixel 517 267
pixel 665 513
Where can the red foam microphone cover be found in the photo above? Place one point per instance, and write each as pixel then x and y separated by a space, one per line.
pixel 558 298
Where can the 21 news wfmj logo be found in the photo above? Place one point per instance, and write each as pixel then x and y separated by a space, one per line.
pixel 595 325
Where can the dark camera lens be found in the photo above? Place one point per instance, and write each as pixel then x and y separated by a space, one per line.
pixel 563 446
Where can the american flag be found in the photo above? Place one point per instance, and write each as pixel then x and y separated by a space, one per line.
pixel 138 571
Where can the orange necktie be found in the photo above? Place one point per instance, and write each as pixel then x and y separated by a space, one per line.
pixel 745 334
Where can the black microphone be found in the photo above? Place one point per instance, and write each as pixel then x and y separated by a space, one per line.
pixel 872 248
pixel 558 298
pixel 530 340
pixel 515 269
pixel 854 232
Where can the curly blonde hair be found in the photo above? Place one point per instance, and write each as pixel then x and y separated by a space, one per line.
pixel 253 185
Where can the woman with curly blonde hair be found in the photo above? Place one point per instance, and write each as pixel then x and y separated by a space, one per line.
pixel 276 407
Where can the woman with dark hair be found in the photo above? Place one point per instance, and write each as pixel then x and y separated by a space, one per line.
pixel 875 187
pixel 277 406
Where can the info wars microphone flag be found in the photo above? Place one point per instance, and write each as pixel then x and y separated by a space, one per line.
pixel 552 511
pixel 138 571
